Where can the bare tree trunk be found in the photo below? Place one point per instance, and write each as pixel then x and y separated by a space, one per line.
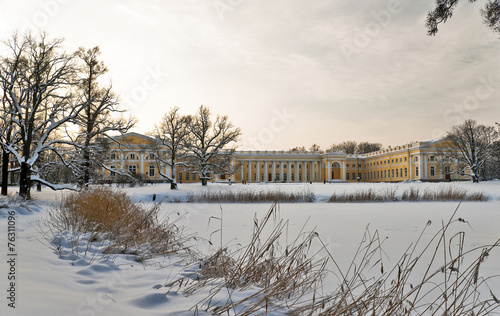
pixel 5 171
pixel 173 181
pixel 24 181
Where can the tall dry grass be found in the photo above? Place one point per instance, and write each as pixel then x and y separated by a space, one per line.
pixel 365 195
pixel 444 193
pixel 249 196
pixel 280 273
pixel 436 277
pixel 451 193
pixel 451 282
pixel 107 222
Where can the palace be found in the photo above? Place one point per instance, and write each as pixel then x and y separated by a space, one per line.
pixel 425 161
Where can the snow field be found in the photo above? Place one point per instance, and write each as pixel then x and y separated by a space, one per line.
pixel 49 284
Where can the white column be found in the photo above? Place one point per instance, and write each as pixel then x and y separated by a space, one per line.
pixel 289 171
pixel 231 170
pixel 313 171
pixel 420 169
pixel 296 165
pixel 281 171
pixel 410 167
pixel 273 176
pixel 258 171
pixel 304 171
pixel 241 173
pixel 249 175
pixel 425 165
pixel 456 170
pixel 329 170
pixel 266 179
pixel 343 170
pixel 141 164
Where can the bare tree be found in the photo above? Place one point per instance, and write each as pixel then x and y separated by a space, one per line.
pixel 444 10
pixel 315 147
pixel 475 144
pixel 38 80
pixel 348 146
pixel 101 115
pixel 367 147
pixel 299 149
pixel 6 136
pixel 170 133
pixel 206 142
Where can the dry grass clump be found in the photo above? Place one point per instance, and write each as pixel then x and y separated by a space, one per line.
pixel 366 195
pixel 444 193
pixel 450 193
pixel 412 194
pixel 108 218
pixel 439 277
pixel 249 196
pixel 451 285
pixel 279 274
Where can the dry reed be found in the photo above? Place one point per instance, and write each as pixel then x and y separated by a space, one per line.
pixel 439 277
pixel 249 196
pixel 447 286
pixel 444 193
pixel 109 220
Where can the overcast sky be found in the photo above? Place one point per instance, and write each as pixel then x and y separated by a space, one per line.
pixel 287 72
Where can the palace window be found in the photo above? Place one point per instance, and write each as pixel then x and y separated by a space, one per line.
pixel 112 156
pixel 446 170
pixel 347 165
pixel 151 156
pixel 416 171
pixel 347 176
pixel 112 173
pixel 392 173
pixel 180 176
pixel 406 172
pixel 132 157
pixel 433 172
pixel 397 173
pixel 194 176
pixel 354 176
pixel 151 170
pixel 132 169
pixel 431 158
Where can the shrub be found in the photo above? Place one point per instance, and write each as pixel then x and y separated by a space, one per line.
pixel 109 220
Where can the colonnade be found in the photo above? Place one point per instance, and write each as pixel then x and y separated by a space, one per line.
pixel 286 171
pixel 279 171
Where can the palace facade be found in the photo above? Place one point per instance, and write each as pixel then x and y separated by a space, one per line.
pixel 425 161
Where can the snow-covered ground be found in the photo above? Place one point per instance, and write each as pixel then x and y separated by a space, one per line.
pixel 46 284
